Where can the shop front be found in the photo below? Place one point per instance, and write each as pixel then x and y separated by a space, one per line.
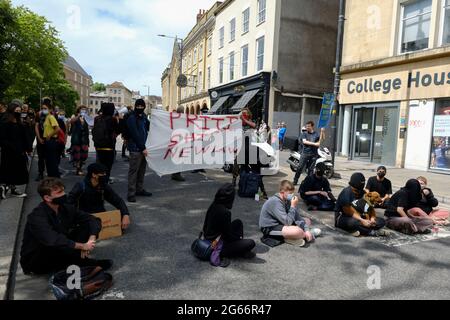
pixel 398 115
pixel 252 92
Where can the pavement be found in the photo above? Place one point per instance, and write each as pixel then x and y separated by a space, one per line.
pixel 153 259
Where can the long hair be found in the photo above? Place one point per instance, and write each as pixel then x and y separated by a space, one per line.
pixel 10 113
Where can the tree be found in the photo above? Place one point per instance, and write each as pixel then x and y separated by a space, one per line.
pixel 97 86
pixel 33 58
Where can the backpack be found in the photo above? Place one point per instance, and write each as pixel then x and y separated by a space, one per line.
pixel 248 184
pixel 94 282
pixel 101 133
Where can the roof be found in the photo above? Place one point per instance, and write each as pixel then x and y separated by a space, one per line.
pixel 99 94
pixel 119 85
pixel 71 63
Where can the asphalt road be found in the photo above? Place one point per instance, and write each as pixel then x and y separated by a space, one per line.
pixel 153 259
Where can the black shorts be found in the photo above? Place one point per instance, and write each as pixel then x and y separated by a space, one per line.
pixel 266 231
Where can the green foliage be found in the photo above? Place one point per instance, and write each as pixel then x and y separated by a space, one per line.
pixel 31 57
pixel 97 86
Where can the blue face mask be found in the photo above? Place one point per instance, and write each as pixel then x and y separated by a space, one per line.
pixel 290 197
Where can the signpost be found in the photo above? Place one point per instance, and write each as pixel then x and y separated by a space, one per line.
pixel 326 111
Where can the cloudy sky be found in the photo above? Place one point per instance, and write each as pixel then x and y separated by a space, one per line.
pixel 116 40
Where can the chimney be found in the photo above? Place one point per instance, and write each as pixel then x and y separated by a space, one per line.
pixel 200 14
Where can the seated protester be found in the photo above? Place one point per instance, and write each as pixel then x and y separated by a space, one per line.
pixel 90 195
pixel 380 184
pixel 218 223
pixel 279 216
pixel 316 191
pixel 400 216
pixel 57 235
pixel 428 203
pixel 348 218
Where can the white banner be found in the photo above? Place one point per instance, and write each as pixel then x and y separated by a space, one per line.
pixel 183 142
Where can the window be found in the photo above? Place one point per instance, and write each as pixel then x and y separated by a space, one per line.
pixel 244 55
pixel 200 53
pixel 416 20
pixel 446 30
pixel 119 99
pixel 195 57
pixel 209 45
pixel 440 152
pixel 200 81
pixel 115 91
pixel 220 70
pixel 120 91
pixel 231 60
pixel 209 77
pixel 262 11
pixel 246 21
pixel 221 37
pixel 260 54
pixel 96 102
pixel 233 30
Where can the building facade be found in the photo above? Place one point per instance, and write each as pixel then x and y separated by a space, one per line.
pixel 95 101
pixel 395 88
pixel 120 95
pixel 275 57
pixel 171 93
pixel 80 80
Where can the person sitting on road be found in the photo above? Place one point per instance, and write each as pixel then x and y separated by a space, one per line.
pixel 349 219
pixel 57 235
pixel 402 210
pixel 218 223
pixel 90 194
pixel 316 191
pixel 380 184
pixel 426 205
pixel 280 218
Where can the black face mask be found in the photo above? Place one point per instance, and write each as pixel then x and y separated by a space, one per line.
pixel 139 111
pixel 381 175
pixel 60 201
pixel 18 115
pixel 102 181
pixel 320 173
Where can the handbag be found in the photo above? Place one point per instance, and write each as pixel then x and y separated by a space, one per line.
pixel 202 248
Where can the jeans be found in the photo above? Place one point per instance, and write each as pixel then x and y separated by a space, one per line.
pixel 106 158
pixel 305 162
pixel 351 225
pixel 322 203
pixel 136 173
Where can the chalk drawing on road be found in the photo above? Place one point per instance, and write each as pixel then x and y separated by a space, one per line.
pixel 396 239
pixel 113 295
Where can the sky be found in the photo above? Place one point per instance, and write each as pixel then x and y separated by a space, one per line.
pixel 116 40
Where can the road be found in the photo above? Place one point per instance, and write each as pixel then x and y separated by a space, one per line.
pixel 153 259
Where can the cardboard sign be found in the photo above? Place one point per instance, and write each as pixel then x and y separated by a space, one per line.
pixel 111 224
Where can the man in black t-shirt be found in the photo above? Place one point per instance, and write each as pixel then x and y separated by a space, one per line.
pixel 316 191
pixel 380 184
pixel 311 143
pixel 348 219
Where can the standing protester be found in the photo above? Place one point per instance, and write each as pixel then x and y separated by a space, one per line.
pixel 311 143
pixel 399 215
pixel 79 139
pixel 62 138
pixel 138 127
pixel 90 194
pixel 57 235
pixel 14 144
pixel 177 176
pixel 28 120
pixel 50 135
pixel 106 128
pixel 380 184
pixel 124 132
pixel 40 143
pixel 282 135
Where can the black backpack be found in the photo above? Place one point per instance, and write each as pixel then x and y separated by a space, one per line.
pixel 248 184
pixel 101 134
pixel 94 282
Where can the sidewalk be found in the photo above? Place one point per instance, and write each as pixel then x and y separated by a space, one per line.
pixel 439 183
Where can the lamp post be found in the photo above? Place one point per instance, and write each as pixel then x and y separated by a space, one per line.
pixel 148 92
pixel 337 75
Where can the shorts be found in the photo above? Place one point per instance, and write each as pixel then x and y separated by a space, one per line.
pixel 266 231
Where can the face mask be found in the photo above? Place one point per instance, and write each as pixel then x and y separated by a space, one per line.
pixel 45 112
pixel 289 197
pixel 23 115
pixel 102 181
pixel 139 111
pixel 61 118
pixel 60 200
pixel 18 115
pixel 382 174
pixel 320 173
pixel 83 113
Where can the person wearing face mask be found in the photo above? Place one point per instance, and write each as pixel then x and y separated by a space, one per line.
pixel 218 222
pixel 380 184
pixel 346 218
pixel 90 195
pixel 316 191
pixel 399 215
pixel 14 145
pixel 138 127
pixel 57 235
pixel 280 218
pixel 427 206
pixel 79 139
pixel 51 129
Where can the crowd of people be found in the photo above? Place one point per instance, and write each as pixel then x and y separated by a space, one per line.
pixel 62 231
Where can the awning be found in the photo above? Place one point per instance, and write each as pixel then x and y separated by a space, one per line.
pixel 219 103
pixel 245 99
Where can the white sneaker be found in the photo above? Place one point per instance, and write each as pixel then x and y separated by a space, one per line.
pixel 316 232
pixel 356 234
pixel 296 243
